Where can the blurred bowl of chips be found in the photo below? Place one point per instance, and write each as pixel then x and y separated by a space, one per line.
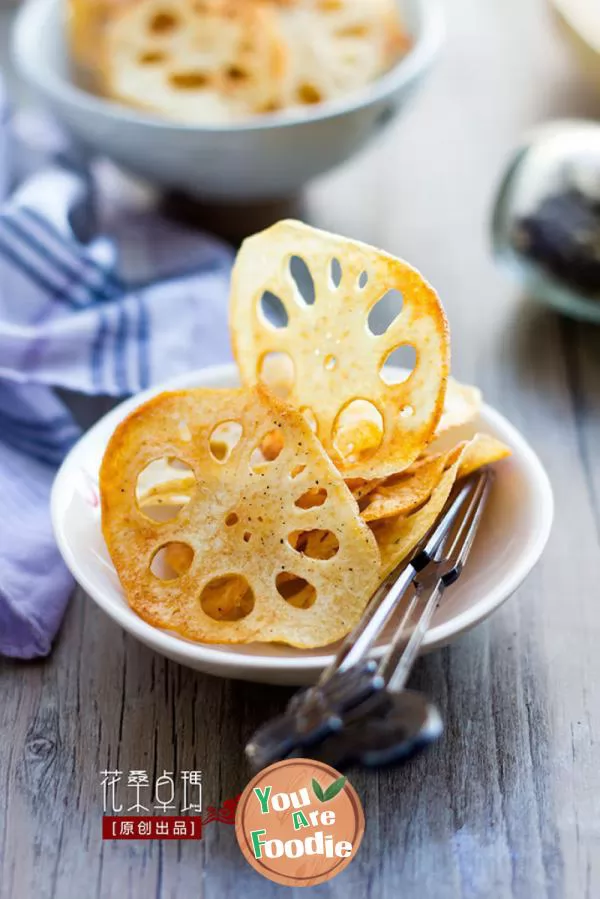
pixel 310 111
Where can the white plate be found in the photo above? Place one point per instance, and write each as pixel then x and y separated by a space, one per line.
pixel 510 541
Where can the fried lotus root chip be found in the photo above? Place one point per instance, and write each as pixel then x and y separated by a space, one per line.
pixel 369 428
pixel 398 537
pixel 85 22
pixel 482 450
pixel 461 406
pixel 196 62
pixel 164 501
pixel 403 493
pixel 400 494
pixel 167 488
pixel 247 557
pixel 338 46
pixel 361 488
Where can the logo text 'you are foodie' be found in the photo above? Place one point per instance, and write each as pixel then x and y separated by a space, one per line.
pixel 297 804
pixel 299 822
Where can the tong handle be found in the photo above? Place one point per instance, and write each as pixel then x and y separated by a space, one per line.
pixel 360 642
pixel 401 654
pixel 449 557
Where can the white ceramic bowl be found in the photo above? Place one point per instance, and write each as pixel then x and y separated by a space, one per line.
pixel 510 541
pixel 269 157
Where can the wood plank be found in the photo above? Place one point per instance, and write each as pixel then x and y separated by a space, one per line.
pixel 506 804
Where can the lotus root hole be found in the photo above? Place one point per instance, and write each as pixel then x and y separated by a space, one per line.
pixel 227 598
pixel 315 544
pixel 163 488
pixel 223 440
pixel 163 22
pixel 151 58
pixel 272 311
pixel 232 519
pixel 312 499
pixel 171 561
pixel 302 280
pixel 309 94
pixel 276 371
pixel 358 431
pixel 335 273
pixel 363 280
pixel 295 590
pixel 385 312
pixel 236 73
pixel 268 450
pixel 189 81
pixel 399 364
pixel 311 418
pixel 330 363
pixel 353 31
pixel 297 471
pixel 407 412
pixel 247 537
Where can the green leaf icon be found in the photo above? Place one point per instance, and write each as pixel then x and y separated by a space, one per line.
pixel 334 788
pixel 317 790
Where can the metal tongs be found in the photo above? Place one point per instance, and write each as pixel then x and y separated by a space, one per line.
pixel 359 710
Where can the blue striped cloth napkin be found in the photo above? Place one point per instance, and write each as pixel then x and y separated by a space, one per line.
pixel 100 295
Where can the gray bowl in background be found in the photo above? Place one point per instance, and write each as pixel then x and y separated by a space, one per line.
pixel 268 157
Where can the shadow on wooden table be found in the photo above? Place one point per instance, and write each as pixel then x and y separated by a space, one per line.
pixel 231 221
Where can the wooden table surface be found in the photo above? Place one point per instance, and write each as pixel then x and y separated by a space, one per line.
pixel 508 803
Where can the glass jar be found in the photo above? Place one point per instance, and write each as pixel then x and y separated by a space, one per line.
pixel 546 220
